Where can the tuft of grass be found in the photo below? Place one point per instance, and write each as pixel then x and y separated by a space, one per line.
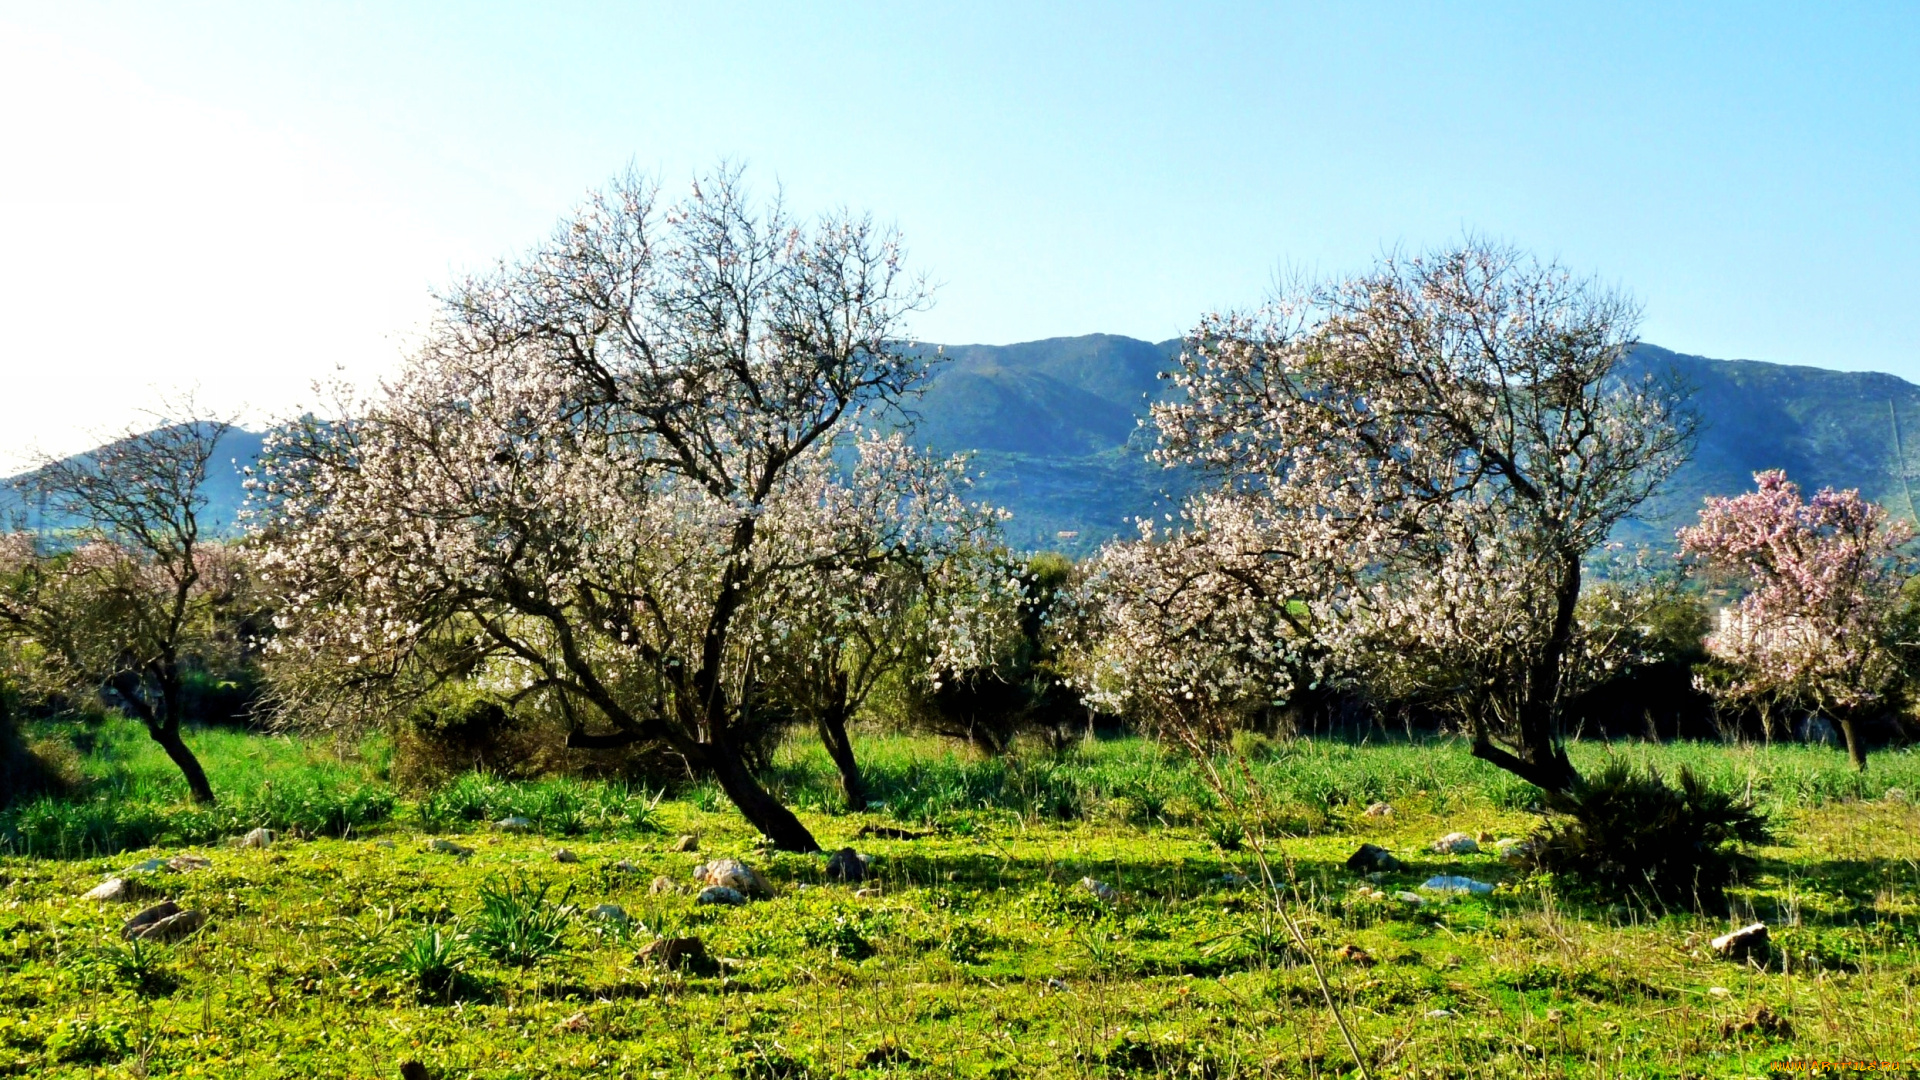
pixel 518 924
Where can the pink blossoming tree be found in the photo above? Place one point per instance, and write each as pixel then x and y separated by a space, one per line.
pixel 1823 576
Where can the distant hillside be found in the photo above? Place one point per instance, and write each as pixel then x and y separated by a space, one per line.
pixel 225 490
pixel 1055 429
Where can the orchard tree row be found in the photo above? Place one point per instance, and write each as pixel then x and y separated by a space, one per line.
pixel 656 481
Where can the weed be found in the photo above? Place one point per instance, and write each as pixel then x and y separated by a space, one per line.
pixel 517 923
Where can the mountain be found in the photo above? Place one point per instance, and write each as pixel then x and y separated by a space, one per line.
pixel 1055 430
pixel 225 490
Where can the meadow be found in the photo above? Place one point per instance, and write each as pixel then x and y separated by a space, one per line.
pixel 350 945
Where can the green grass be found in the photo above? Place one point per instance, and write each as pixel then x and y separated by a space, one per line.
pixel 978 955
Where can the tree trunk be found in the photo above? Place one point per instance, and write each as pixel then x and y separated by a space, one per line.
pixel 1542 759
pixel 1856 746
pixel 755 803
pixel 833 733
pixel 168 737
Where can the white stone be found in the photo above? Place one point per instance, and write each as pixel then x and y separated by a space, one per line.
pixel 1456 843
pixel 1447 883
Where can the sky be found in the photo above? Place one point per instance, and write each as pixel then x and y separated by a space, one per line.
pixel 229 201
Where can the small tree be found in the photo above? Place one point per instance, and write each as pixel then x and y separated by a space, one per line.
pixel 1823 578
pixel 612 473
pixel 1440 443
pixel 131 596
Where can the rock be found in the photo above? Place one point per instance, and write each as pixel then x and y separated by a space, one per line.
pixel 185 863
pixel 674 953
pixel 1100 889
pixel 173 927
pixel 625 866
pixel 1378 809
pixel 1763 1021
pixel 1354 954
pixel 1895 795
pixel 576 1022
pixel 663 884
pixel 1742 943
pixel 686 843
pixel 448 847
pixel 847 865
pixel 115 888
pixel 1371 858
pixel 731 874
pixel 1456 843
pixel 720 894
pixel 1410 898
pixel 513 824
pixel 865 894
pixel 148 916
pixel 386 845
pixel 1439 1014
pixel 565 856
pixel 1512 848
pixel 1719 992
pixel 1554 1016
pixel 413 1070
pixel 1451 884
pixel 258 838
pixel 163 922
pixel 148 867
pixel 612 913
pixel 1232 880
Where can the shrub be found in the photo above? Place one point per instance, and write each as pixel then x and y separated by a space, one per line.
pixel 518 924
pixel 1630 835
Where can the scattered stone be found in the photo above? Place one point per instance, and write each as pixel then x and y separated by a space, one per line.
pixel 866 894
pixel 565 856
pixel 185 863
pixel 674 953
pixel 148 867
pixel 720 894
pixel 576 1022
pixel 847 865
pixel 1057 984
pixel 1512 848
pixel 1371 858
pixel 1456 843
pixel 1410 898
pixel 1895 795
pixel 612 913
pixel 448 847
pixel 663 884
pixel 513 824
pixel 1554 1016
pixel 624 866
pixel 386 845
pixel 1439 1014
pixel 163 922
pixel 1447 883
pixel 1234 881
pixel 1100 889
pixel 1743 942
pixel 687 843
pixel 1378 809
pixel 173 927
pixel 258 838
pixel 1763 1021
pixel 1367 892
pixel 1719 992
pixel 731 874
pixel 116 888
pixel 1354 954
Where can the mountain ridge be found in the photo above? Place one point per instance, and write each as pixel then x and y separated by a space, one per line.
pixel 1056 429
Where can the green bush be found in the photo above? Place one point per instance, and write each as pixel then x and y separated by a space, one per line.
pixel 1628 834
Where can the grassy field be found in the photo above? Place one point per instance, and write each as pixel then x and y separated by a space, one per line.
pixel 353 947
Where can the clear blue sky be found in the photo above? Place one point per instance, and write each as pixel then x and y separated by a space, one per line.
pixel 240 195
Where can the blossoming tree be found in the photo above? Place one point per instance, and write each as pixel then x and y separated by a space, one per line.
pixel 1429 450
pixel 623 473
pixel 1823 576
pixel 130 597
